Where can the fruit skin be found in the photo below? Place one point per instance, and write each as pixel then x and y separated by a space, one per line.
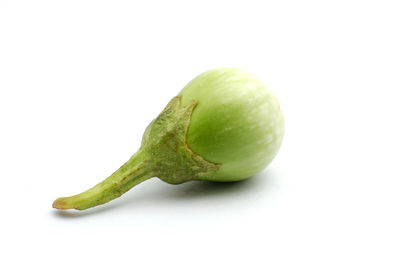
pixel 237 122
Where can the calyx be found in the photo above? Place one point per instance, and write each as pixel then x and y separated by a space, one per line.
pixel 164 153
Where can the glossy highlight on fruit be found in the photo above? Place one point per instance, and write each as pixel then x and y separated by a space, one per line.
pixel 225 125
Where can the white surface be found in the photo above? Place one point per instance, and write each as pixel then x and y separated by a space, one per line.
pixel 80 81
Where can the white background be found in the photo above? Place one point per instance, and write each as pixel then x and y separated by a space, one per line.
pixel 80 81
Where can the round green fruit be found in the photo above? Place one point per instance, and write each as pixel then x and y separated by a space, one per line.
pixel 225 125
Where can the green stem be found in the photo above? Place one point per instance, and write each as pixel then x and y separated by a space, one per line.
pixel 133 172
pixel 164 153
